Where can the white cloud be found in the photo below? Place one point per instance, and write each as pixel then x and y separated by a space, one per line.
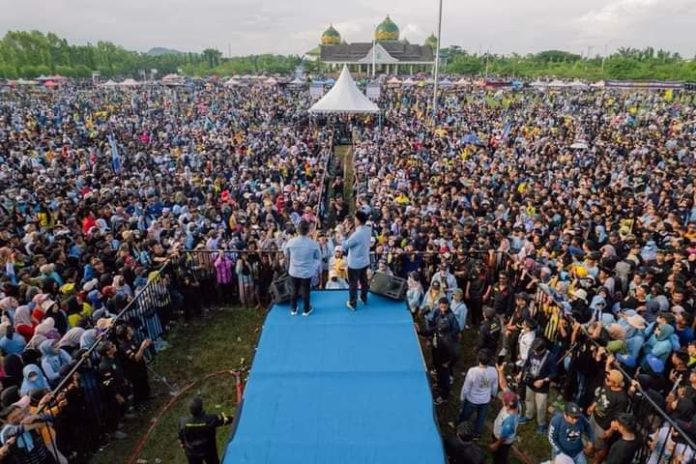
pixel 294 26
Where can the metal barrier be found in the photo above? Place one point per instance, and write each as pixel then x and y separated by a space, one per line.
pixel 199 279
pixel 79 397
pixel 655 427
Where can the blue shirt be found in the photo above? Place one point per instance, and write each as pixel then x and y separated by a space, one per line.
pixel 304 256
pixel 14 345
pixel 358 247
pixel 567 438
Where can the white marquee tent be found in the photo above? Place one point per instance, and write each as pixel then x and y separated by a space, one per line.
pixel 344 97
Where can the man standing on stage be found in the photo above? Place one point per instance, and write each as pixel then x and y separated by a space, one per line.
pixel 305 258
pixel 358 247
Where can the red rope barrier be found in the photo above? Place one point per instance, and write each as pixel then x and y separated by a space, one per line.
pixel 143 441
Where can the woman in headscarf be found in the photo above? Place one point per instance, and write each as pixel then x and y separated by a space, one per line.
pixel 23 322
pixel 33 380
pixel 8 305
pixel 9 396
pixel 12 365
pixel 71 340
pixel 414 294
pixel 53 358
pixel 10 342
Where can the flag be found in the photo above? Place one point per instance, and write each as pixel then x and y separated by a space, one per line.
pixel 115 157
pixel 506 130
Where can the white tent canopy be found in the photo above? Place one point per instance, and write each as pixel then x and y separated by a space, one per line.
pixel 344 97
pixel 129 83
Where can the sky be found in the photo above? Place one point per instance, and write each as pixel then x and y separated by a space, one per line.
pixel 243 27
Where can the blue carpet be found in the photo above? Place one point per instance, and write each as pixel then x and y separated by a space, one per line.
pixel 337 387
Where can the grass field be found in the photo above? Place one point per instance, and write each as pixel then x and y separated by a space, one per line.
pixel 223 341
pixel 530 448
pixel 217 342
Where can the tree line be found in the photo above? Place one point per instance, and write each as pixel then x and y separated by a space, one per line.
pixel 29 54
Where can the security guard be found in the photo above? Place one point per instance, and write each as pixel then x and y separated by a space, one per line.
pixel 197 433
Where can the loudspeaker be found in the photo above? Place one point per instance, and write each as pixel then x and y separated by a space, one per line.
pixel 281 289
pixel 389 286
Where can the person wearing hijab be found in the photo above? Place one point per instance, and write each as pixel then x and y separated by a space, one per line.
pixel 71 340
pixel 11 342
pixel 33 380
pixel 9 396
pixel 23 322
pixel 12 365
pixel 53 358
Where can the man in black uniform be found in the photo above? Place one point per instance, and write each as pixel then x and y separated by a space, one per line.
pixel 489 332
pixel 114 387
pixel 197 433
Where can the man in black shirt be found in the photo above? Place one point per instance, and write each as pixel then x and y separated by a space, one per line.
pixel 610 401
pixel 197 433
pixel 625 447
pixel 461 450
pixel 114 387
pixel 489 332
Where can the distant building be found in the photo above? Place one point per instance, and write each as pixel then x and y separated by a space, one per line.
pixel 391 55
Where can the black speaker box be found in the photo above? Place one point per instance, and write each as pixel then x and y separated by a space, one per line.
pixel 389 286
pixel 281 289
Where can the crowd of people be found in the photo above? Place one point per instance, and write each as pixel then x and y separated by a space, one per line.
pixel 558 227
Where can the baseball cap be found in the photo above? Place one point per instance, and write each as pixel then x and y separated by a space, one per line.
pixel 510 399
pixel 573 410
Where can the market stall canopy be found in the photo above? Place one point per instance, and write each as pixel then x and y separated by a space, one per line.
pixel 408 82
pixel 344 97
pixel 232 82
pixel 462 82
pixel 578 84
pixel 109 83
pixel 271 81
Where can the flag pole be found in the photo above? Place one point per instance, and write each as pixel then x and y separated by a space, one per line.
pixel 437 60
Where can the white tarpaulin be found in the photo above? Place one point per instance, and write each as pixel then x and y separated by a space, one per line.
pixel 344 97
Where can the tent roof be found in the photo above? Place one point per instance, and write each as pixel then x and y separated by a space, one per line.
pixel 344 97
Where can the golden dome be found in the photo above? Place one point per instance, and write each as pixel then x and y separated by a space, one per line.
pixel 330 37
pixel 387 30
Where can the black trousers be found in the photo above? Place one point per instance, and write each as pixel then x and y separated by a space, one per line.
pixel 300 287
pixel 210 458
pixel 355 276
pixel 500 456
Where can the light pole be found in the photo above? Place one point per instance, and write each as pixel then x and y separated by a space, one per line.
pixel 437 59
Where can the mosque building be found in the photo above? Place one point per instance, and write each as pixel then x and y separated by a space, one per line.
pixel 389 54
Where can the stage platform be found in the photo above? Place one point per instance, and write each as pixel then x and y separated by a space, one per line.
pixel 337 387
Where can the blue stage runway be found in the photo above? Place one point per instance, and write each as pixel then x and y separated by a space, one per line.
pixel 337 387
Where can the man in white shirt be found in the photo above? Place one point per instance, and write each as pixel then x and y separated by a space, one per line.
pixel 480 385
